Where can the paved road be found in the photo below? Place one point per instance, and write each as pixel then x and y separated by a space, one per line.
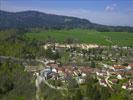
pixel 39 80
pixel 4 58
pixel 19 60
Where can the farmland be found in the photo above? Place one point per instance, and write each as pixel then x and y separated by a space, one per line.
pixel 85 36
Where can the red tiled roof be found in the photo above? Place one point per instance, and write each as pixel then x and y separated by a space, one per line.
pixel 60 69
pixel 103 81
pixel 121 73
pixel 53 65
pixel 86 69
pixel 114 80
pixel 119 67
pixel 131 65
pixel 130 72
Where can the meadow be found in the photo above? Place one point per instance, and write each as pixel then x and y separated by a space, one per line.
pixel 85 36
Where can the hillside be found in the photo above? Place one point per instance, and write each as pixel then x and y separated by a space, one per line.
pixel 37 19
pixel 32 19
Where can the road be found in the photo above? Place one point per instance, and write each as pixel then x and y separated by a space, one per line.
pixel 39 80
pixel 19 60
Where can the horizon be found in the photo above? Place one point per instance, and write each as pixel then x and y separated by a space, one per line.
pixel 111 12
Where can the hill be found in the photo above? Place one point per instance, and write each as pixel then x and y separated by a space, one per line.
pixel 32 19
pixel 39 19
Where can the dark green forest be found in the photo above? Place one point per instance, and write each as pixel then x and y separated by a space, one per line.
pixel 35 19
pixel 15 83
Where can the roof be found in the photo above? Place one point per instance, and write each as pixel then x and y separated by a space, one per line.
pixel 53 65
pixel 130 65
pixel 60 69
pixel 119 67
pixel 86 70
pixel 130 72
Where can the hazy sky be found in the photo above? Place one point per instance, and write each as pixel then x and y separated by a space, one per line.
pixel 109 12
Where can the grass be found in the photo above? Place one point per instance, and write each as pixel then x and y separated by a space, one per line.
pixel 86 36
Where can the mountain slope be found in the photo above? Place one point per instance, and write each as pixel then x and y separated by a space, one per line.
pixel 38 19
pixel 31 19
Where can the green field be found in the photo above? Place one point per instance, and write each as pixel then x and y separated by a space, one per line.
pixel 86 36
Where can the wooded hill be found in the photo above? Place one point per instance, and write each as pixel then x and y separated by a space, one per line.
pixel 35 19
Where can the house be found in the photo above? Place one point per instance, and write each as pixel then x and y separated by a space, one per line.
pixel 103 82
pixel 49 72
pixel 128 85
pixel 86 70
pixel 130 66
pixel 44 73
pixel 82 46
pixel 125 86
pixel 54 75
pixel 113 81
pixel 119 68
pixel 119 77
pixel 130 72
pixel 53 65
pixel 80 80
pixel 61 72
pixel 49 61
pixel 102 73
pixel 77 73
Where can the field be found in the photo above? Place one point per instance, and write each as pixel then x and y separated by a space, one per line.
pixel 86 36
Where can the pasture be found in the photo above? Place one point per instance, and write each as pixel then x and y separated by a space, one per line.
pixel 85 36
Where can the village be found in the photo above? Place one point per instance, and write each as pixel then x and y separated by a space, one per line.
pixel 107 74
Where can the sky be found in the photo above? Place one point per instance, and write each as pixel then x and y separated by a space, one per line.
pixel 107 12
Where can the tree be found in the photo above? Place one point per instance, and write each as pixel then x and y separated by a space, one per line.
pixel 105 95
pixel 49 53
pixel 15 83
pixel 69 40
pixel 116 97
pixel 93 64
pixel 78 95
